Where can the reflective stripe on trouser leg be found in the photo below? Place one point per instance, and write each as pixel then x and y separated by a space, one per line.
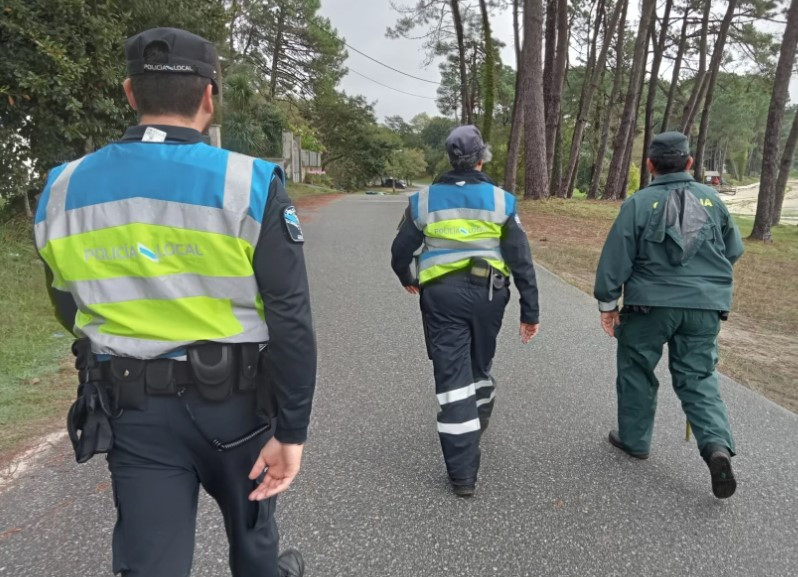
pixel 485 328
pixel 446 310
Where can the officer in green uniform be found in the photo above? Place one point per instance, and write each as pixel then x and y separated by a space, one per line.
pixel 670 253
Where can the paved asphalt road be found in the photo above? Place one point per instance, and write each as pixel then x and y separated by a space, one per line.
pixel 554 497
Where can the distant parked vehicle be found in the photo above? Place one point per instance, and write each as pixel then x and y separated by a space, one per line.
pixel 393 183
pixel 715 180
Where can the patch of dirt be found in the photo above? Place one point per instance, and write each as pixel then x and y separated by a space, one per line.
pixel 307 206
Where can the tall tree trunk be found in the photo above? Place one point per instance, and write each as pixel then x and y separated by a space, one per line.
pixel 489 80
pixel 278 45
pixel 714 68
pixel 465 114
pixel 614 94
pixel 516 129
pixel 785 166
pixel 536 177
pixel 618 170
pixel 770 151
pixel 677 67
pixel 699 85
pixel 627 157
pixel 554 104
pixel 658 47
pixel 595 77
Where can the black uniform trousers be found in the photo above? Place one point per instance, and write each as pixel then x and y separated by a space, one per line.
pixel 159 460
pixel 461 325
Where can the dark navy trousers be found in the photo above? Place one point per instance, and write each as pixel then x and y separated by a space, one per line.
pixel 159 461
pixel 461 325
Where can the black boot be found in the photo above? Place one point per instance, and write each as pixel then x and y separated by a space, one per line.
pixel 615 441
pixel 718 459
pixel 291 563
pixel 465 491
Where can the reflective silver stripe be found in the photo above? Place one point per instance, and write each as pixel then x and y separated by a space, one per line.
pixel 459 428
pixel 148 211
pixel 168 287
pixel 238 182
pixel 58 191
pixel 483 384
pixel 433 243
pixel 456 394
pixel 499 202
pixel 423 208
pixel 481 402
pixel 467 214
pixel 149 349
pixel 450 257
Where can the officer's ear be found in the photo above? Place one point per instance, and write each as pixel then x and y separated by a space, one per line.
pixel 650 166
pixel 207 100
pixel 689 164
pixel 127 85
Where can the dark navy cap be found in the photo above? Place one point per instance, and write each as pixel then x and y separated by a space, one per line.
pixel 187 54
pixel 464 141
pixel 669 145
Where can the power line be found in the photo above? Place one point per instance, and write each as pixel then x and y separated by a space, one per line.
pixel 389 67
pixel 372 58
pixel 390 87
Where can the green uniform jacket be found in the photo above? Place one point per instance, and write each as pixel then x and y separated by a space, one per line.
pixel 672 245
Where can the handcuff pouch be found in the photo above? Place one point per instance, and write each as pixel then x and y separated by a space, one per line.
pixel 215 371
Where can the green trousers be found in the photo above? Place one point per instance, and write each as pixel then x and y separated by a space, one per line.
pixel 691 335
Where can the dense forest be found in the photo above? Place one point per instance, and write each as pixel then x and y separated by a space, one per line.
pixel 571 115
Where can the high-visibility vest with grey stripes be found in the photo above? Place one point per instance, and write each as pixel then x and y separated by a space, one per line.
pixel 460 222
pixel 155 243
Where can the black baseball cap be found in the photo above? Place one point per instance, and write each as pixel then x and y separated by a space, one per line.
pixel 669 145
pixel 464 141
pixel 187 54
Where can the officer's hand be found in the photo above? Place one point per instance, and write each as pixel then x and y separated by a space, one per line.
pixel 412 289
pixel 528 332
pixel 282 464
pixel 608 322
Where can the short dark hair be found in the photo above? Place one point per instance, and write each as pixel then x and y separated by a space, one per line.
pixel 669 164
pixel 160 93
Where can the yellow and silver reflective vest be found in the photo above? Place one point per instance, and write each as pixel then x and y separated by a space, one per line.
pixel 155 242
pixel 460 222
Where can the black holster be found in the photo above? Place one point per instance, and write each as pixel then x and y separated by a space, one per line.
pixel 89 417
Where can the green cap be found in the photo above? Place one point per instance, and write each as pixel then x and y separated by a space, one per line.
pixel 669 145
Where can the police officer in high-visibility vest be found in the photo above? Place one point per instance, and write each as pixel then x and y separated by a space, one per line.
pixel 180 268
pixel 472 242
pixel 670 254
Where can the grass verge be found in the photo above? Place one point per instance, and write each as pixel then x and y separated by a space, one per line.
pixel 34 387
pixel 757 344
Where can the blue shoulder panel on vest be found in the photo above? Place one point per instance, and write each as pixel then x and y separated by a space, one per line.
pixel 414 206
pixel 446 196
pixel 262 174
pixel 41 207
pixel 150 170
pixel 509 203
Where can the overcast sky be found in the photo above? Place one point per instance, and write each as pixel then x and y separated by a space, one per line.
pixel 363 23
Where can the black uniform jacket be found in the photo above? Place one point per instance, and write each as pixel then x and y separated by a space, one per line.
pixel 279 266
pixel 514 247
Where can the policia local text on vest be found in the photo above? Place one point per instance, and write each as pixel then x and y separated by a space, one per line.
pixel 180 268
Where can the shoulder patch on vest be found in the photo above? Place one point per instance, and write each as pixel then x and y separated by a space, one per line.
pixel 292 225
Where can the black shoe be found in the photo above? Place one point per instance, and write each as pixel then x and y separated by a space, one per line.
pixel 720 469
pixel 483 424
pixel 615 441
pixel 291 563
pixel 465 491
